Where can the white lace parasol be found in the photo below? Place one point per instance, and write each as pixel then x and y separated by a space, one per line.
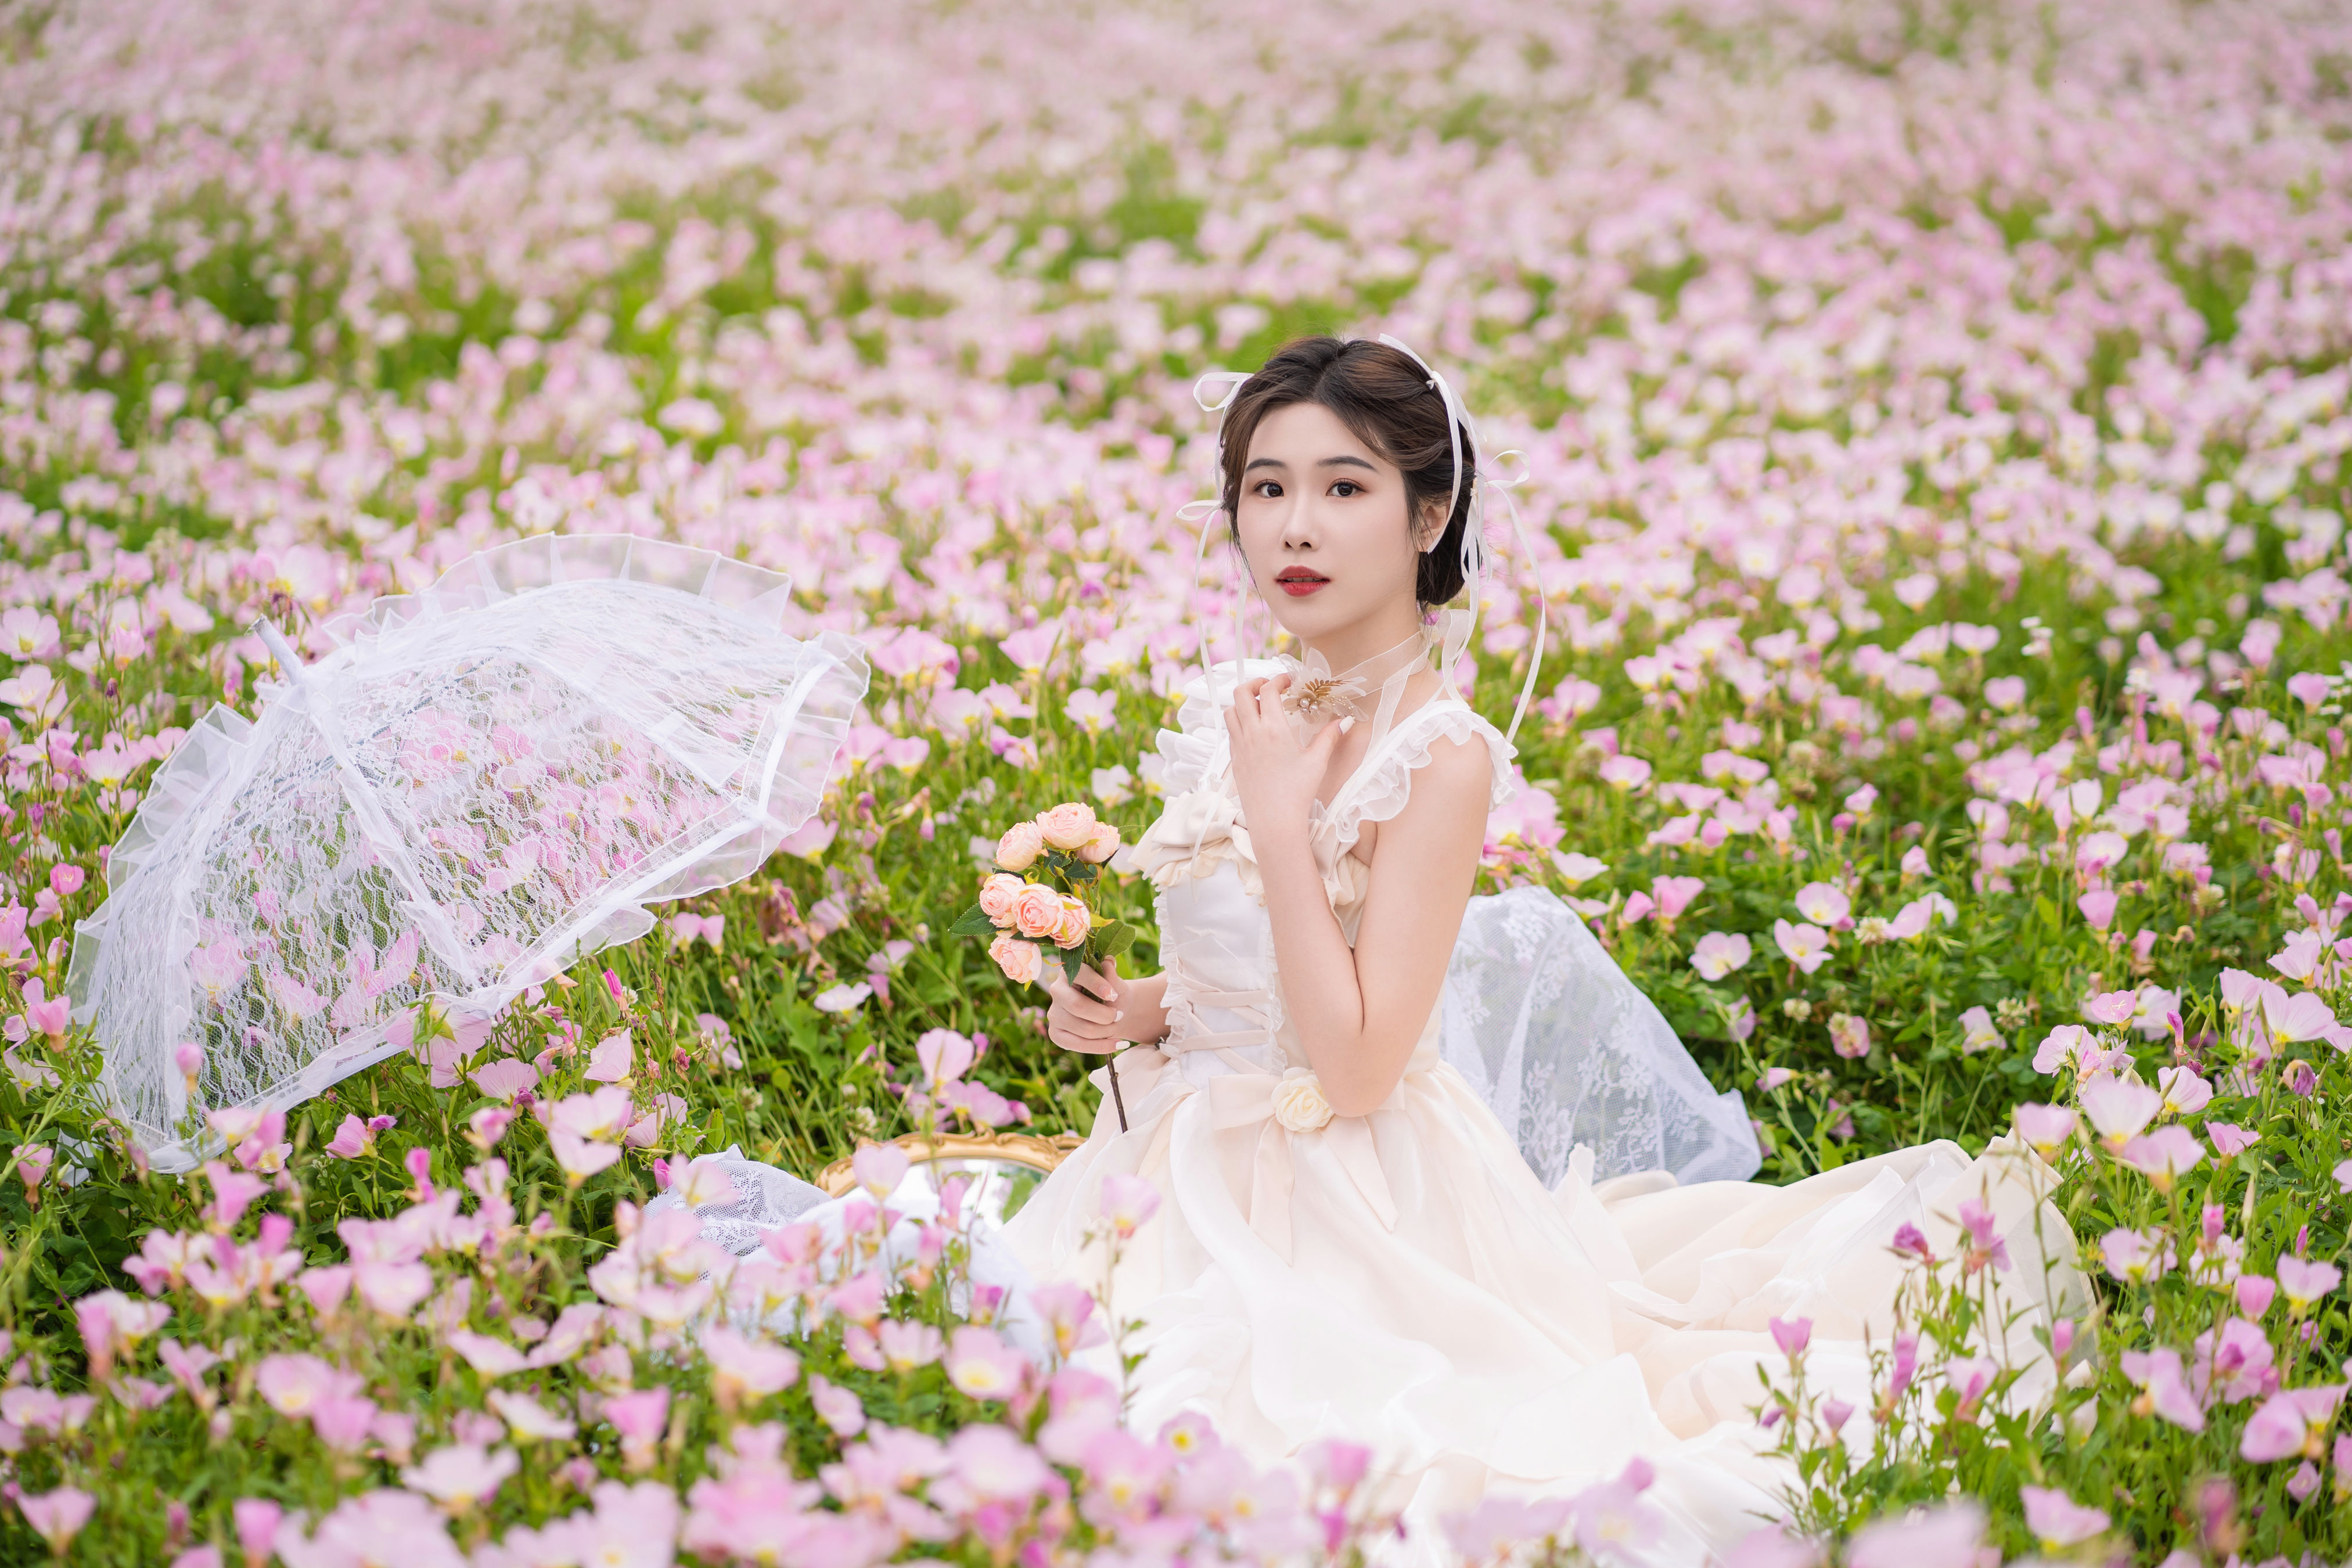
pixel 478 785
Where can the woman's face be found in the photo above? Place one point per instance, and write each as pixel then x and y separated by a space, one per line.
pixel 1323 527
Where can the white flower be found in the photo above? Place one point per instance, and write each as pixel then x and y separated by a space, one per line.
pixel 1299 1103
pixel 843 998
pixel 1577 869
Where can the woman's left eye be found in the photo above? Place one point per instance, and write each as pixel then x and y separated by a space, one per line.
pixel 1347 488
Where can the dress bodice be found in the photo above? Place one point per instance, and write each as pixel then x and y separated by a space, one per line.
pixel 1226 1013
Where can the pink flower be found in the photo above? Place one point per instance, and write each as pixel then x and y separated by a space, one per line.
pixel 2068 1045
pixel 1019 849
pixel 982 1366
pixel 1950 1536
pixel 611 1059
pixel 2118 1108
pixel 1020 961
pixel 1673 895
pixel 879 1168
pixel 1036 912
pixel 386 1526
pixel 1806 946
pixel 2291 1422
pixel 2304 1282
pixel 2164 1156
pixel 2185 1093
pixel 2302 1016
pixel 527 1420
pixel 838 1407
pixel 1074 924
pixel 56 1516
pixel 256 1521
pixel 2169 1396
pixel 1067 826
pixel 1985 1243
pixel 2058 1521
pixel 1719 953
pixel 487 1357
pixel 639 1417
pixel 2230 1140
pixel 1101 846
pixel 2098 908
pixel 297 1385
pixel 944 1055
pixel 352 1139
pixel 905 1344
pixel 1128 1203
pixel 999 892
pixel 1822 904
pixel 1068 1311
pixel 2046 1128
pixel 1792 1335
pixel 2135 1257
pixel 460 1476
pixel 2254 1294
pixel 1850 1035
pixel 1625 773
pixel 2112 1008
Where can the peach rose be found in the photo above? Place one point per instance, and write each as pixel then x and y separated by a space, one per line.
pixel 1299 1103
pixel 1102 846
pixel 1076 922
pixel 1037 911
pixel 1020 960
pixel 1019 849
pixel 1067 826
pixel 997 895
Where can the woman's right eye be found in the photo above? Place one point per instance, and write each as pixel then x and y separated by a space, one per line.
pixel 1266 488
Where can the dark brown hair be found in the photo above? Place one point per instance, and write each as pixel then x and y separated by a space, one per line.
pixel 1388 402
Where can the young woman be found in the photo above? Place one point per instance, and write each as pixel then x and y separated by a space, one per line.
pixel 1348 1244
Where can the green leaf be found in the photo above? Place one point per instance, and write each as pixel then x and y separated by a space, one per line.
pixel 1110 941
pixel 1074 959
pixel 974 921
pixel 1079 872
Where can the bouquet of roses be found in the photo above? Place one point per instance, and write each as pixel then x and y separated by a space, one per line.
pixel 1054 921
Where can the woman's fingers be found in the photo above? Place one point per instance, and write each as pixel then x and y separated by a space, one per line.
pixel 1074 1003
pixel 1096 983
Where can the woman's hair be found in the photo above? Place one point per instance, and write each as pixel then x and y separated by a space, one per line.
pixel 1391 406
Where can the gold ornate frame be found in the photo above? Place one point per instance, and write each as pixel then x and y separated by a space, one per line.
pixel 1012 1148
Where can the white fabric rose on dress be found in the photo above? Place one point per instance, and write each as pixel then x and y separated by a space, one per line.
pixel 1299 1103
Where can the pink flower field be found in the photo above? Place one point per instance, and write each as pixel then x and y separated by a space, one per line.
pixel 1933 417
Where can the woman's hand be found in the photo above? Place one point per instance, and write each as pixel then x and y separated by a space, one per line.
pixel 1086 1017
pixel 1276 777
pixel 1103 1012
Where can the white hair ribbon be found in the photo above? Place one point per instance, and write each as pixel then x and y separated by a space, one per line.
pixel 1234 380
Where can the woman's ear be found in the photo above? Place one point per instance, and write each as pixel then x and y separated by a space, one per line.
pixel 1431 526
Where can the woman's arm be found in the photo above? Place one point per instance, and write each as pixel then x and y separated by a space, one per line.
pixel 1359 1011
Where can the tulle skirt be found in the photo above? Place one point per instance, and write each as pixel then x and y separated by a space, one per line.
pixel 1409 1284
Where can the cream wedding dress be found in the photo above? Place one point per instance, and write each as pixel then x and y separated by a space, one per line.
pixel 1406 1280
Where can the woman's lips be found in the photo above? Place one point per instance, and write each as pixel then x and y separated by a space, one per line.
pixel 1299 587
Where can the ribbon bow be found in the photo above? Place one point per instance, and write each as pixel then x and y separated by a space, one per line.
pixel 1241 1101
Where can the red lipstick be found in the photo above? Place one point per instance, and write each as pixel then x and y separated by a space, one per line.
pixel 1299 581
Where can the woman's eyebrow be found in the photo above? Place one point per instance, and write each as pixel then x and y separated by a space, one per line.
pixel 1349 460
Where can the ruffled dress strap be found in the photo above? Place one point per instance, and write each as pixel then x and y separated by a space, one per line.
pixel 1382 784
